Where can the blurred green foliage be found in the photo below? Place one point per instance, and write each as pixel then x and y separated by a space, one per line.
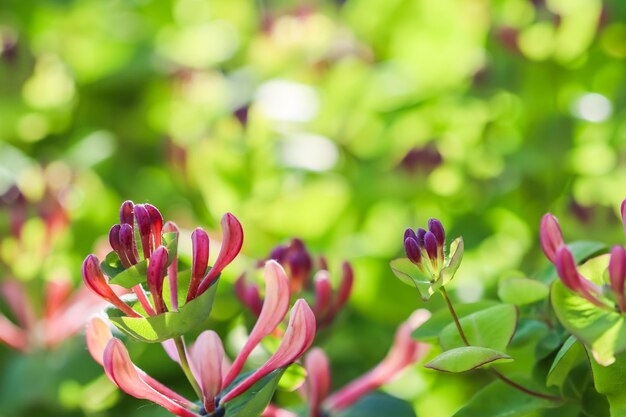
pixel 340 122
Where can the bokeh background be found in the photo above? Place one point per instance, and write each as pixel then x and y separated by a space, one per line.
pixel 338 122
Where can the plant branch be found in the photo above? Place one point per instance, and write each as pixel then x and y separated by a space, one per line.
pixel 503 378
pixel 184 365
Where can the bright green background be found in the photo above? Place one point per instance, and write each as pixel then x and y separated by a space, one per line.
pixel 513 108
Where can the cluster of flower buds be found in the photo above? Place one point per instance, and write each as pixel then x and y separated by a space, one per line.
pixel 209 365
pixel 559 254
pixel 148 222
pixel 64 314
pixel 404 352
pixel 427 250
pixel 299 265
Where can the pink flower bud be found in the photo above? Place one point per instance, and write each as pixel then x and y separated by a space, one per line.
pixel 114 241
pixel 566 268
pixel 318 383
pixel 617 274
pixel 200 260
pixel 297 339
pixel 345 287
pixel 156 224
pixel 121 371
pixel 274 310
pixel 157 269
pixel 144 223
pixel 95 280
pixel 551 236
pixel 172 271
pixel 207 358
pixel 323 295
pixel 249 295
pixel 126 213
pixel 232 240
pixel 623 214
pixel 128 245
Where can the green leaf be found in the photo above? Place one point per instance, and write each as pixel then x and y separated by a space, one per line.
pixel 491 328
pixel 466 358
pixel 378 404
pixel 501 400
pixel 410 274
pixel 253 401
pixel 429 331
pixel 136 274
pixel 456 255
pixel 293 378
pixel 581 250
pixel 522 291
pixel 603 330
pixel 171 324
pixel 568 357
pixel 610 381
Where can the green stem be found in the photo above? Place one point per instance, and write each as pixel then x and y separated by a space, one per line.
pixel 184 365
pixel 503 378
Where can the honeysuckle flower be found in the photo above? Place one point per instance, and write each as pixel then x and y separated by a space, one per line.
pixel 146 221
pixel 299 265
pixel 63 315
pixel 206 357
pixel 404 352
pixel 559 254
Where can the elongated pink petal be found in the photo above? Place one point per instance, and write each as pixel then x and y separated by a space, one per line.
pixel 97 335
pixel 123 373
pixel 297 339
pixel 142 297
pixel 404 352
pixel 617 269
pixel 345 288
pixel 273 312
pixel 12 336
pixel 200 260
pixel 157 268
pixel 17 298
pixel 623 213
pixel 57 293
pixel 551 236
pixel 95 280
pixel 318 382
pixel 323 294
pixel 144 223
pixel 172 270
pixel 568 272
pixel 273 411
pixel 156 224
pixel 206 358
pixel 232 240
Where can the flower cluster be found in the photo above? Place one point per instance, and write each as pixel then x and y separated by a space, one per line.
pixel 299 264
pixel 145 221
pixel 216 378
pixel 404 352
pixel 560 255
pixel 64 314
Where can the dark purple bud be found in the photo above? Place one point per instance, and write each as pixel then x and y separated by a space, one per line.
pixel 436 228
pixel 114 238
pixel 430 244
pixel 157 268
pixel 421 233
pixel 126 213
pixel 127 243
pixel 145 229
pixel 617 270
pixel 410 233
pixel 278 254
pixel 412 250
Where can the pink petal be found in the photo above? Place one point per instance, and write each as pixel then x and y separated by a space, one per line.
pixel 232 239
pixel 617 269
pixel 12 336
pixel 156 223
pixel 129 254
pixel 97 336
pixel 568 272
pixel 551 236
pixel 297 339
pixel 207 357
pixel 318 383
pixel 95 280
pixel 345 288
pixel 323 294
pixel 126 213
pixel 404 352
pixel 144 223
pixel 172 271
pixel 249 295
pixel 200 260
pixel 273 312
pixel 157 268
pixel 57 293
pixel 17 298
pixel 273 411
pixel 120 369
